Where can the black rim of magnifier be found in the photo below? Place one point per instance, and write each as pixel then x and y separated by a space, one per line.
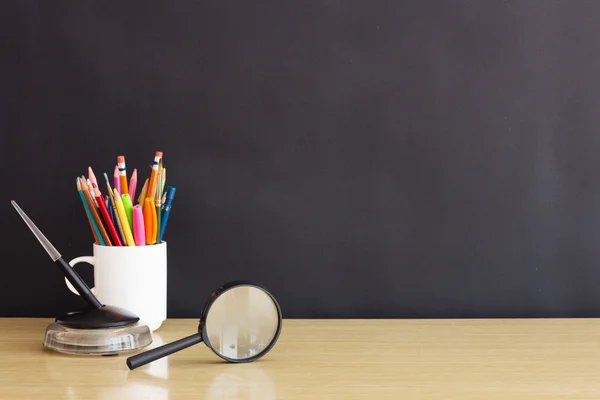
pixel 201 336
pixel 214 296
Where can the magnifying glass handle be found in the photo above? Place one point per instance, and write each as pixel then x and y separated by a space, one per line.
pixel 152 355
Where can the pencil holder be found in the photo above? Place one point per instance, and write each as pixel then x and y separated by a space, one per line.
pixel 130 277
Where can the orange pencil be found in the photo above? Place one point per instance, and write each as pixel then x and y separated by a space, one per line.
pixel 153 177
pixel 122 175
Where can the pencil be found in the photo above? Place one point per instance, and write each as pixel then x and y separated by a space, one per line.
pixel 123 218
pixel 92 179
pixel 107 218
pixel 91 191
pixel 153 176
pixel 122 174
pixel 92 176
pixel 159 175
pixel 116 219
pixel 116 180
pixel 143 193
pixel 95 231
pixel 164 180
pixel 86 211
pixel 103 233
pixel 158 205
pixel 133 184
pixel 117 222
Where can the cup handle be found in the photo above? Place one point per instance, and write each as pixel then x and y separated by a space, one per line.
pixel 86 259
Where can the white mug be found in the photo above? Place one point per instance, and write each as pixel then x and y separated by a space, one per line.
pixel 131 277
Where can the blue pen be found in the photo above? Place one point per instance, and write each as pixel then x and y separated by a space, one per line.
pixel 166 210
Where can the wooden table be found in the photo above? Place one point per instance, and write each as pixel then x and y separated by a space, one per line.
pixel 327 359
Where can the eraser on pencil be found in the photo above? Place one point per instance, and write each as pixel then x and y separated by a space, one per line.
pixel 121 159
pixel 158 154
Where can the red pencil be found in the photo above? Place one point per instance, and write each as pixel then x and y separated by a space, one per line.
pixel 106 216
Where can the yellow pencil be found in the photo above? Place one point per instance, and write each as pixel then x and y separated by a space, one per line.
pixel 123 217
pixel 143 194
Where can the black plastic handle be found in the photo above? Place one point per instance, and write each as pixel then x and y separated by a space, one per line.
pixel 78 283
pixel 152 355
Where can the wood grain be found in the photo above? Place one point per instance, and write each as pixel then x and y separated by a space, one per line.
pixel 328 359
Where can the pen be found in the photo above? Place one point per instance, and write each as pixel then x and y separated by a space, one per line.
pixel 166 209
pixel 128 206
pixel 149 221
pixel 123 219
pixel 139 232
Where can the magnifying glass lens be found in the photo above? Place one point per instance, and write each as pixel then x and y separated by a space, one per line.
pixel 242 323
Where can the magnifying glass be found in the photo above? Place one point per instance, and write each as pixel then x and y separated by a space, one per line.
pixel 240 322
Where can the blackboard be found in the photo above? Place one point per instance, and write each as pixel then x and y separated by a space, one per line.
pixel 361 159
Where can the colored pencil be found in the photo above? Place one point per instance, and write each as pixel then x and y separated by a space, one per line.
pixel 115 215
pixel 116 180
pixel 153 177
pixel 122 175
pixel 114 219
pixel 91 191
pixel 103 233
pixel 143 193
pixel 133 184
pixel 92 176
pixel 86 205
pixel 107 218
pixel 87 212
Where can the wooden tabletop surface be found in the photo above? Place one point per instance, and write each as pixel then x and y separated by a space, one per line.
pixel 327 359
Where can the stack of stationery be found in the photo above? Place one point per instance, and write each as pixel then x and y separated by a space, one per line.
pixel 116 219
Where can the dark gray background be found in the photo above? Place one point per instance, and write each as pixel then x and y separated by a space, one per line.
pixel 359 158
